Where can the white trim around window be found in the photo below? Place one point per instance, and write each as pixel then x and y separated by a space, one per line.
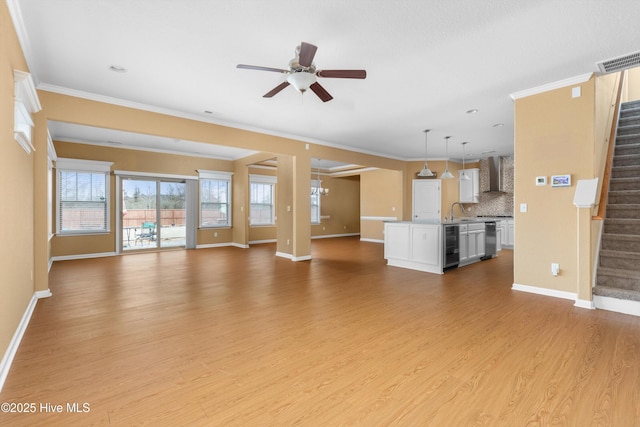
pixel 92 213
pixel 214 213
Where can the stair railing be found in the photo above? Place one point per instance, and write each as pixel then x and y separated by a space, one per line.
pixel 604 191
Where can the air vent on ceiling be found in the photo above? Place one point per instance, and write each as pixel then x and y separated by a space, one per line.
pixel 620 63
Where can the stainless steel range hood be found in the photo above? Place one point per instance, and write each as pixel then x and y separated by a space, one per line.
pixel 495 175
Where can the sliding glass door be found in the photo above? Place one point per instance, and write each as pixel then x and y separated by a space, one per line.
pixel 173 216
pixel 153 214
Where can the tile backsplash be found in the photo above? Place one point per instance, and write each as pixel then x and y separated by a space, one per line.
pixel 498 204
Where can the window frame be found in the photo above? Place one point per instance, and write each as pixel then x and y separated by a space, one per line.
pixel 219 176
pixel 83 166
pixel 315 183
pixel 271 181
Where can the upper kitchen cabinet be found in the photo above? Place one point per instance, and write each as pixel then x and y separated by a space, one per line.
pixel 427 196
pixel 470 189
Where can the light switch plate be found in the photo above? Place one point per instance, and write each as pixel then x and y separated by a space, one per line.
pixel 523 207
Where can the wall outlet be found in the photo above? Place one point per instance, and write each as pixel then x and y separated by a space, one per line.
pixel 555 268
pixel 215 234
pixel 288 242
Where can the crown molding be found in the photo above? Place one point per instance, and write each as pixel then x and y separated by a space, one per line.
pixel 551 86
pixel 169 112
pixel 23 38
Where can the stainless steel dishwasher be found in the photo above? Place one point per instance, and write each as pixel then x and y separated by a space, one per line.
pixel 490 240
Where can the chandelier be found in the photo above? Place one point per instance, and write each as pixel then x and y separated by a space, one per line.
pixel 317 189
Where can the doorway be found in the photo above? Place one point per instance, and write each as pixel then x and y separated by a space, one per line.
pixel 154 213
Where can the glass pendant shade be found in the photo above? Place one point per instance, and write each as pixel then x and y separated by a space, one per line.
pixel 463 175
pixel 446 174
pixel 425 169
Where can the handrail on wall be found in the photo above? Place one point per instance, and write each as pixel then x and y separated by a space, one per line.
pixel 604 192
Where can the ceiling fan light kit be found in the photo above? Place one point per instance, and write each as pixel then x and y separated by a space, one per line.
pixel 301 80
pixel 302 74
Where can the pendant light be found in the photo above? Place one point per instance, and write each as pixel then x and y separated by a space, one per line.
pixel 425 170
pixel 463 175
pixel 446 174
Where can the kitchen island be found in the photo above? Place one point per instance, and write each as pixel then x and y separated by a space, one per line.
pixel 434 246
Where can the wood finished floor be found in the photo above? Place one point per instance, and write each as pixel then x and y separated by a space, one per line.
pixel 230 336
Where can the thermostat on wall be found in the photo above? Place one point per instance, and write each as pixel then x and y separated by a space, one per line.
pixel 541 180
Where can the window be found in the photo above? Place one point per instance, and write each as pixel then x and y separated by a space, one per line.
pixel 315 203
pixel 82 196
pixel 262 200
pixel 215 199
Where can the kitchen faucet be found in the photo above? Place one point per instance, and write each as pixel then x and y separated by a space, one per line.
pixel 451 209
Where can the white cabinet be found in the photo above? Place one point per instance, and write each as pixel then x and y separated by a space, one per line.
pixel 396 241
pixel 426 246
pixel 414 246
pixel 477 238
pixel 427 199
pixel 472 242
pixel 511 232
pixel 498 239
pixel 463 244
pixel 470 189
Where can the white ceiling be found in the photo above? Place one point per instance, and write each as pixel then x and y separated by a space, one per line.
pixel 427 62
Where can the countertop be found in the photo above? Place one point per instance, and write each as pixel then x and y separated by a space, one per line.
pixel 461 220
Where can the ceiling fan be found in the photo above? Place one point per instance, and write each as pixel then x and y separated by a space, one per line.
pixel 302 73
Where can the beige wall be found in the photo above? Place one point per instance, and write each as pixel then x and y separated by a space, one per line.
pixel 137 161
pixel 341 207
pixel 17 208
pixel 633 84
pixel 381 195
pixel 554 135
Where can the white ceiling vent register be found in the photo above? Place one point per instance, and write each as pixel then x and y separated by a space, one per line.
pixel 620 63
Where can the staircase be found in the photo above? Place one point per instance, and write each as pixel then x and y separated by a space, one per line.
pixel 618 276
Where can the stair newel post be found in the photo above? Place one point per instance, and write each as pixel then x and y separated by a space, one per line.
pixel 584 200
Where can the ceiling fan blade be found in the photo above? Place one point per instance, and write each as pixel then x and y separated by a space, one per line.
pixel 307 52
pixel 255 67
pixel 343 74
pixel 321 92
pixel 275 90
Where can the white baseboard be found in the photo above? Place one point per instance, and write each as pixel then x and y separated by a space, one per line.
pixel 617 305
pixel 330 236
pixel 258 242
pixel 364 239
pixel 82 256
pixel 239 245
pixel 292 258
pixel 284 255
pixel 7 359
pixel 544 291
pixel 583 303
pixel 214 245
